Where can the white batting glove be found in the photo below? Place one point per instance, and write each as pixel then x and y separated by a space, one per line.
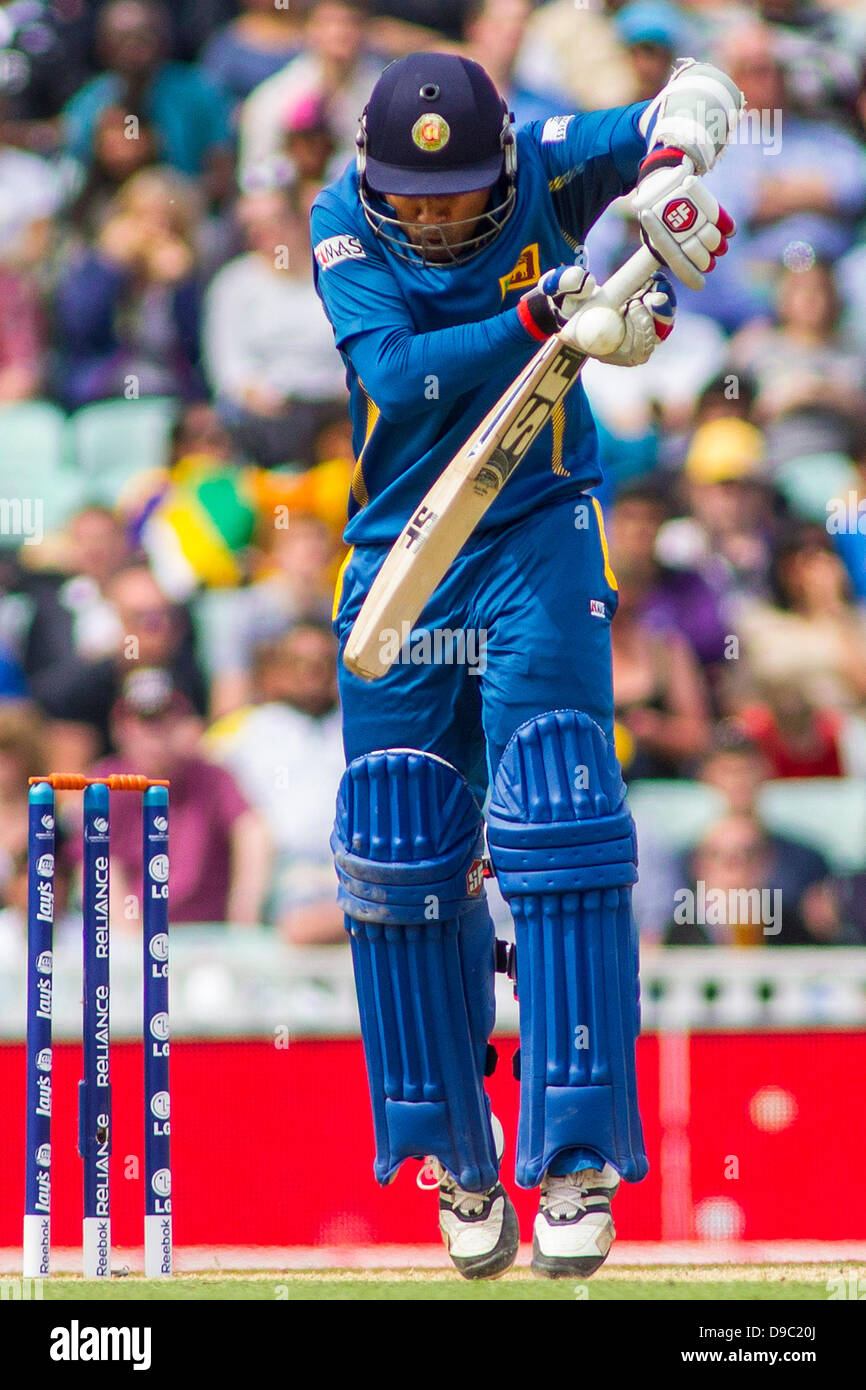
pixel 680 220
pixel 556 298
pixel 647 320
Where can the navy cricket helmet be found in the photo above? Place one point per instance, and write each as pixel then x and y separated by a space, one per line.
pixel 436 125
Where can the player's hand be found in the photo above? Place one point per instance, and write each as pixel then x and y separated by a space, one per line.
pixel 648 319
pixel 680 220
pixel 559 294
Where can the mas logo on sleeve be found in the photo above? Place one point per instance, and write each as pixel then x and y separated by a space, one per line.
pixel 554 129
pixel 338 248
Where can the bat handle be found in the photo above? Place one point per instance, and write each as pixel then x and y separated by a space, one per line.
pixel 631 277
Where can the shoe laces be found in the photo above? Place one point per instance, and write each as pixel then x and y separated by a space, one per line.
pixel 433 1175
pixel 564 1196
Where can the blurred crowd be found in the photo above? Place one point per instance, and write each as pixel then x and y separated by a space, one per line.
pixel 157 166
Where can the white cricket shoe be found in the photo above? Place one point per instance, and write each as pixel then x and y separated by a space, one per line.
pixel 479 1229
pixel 574 1228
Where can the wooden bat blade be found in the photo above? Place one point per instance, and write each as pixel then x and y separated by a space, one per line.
pixel 449 513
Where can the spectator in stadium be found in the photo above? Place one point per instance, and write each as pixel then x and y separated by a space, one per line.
pixel 813 189
pixel 71 614
pixel 310 146
pixel 838 911
pixel 494 32
pixel 32 194
pixel 737 765
pixel 669 598
pixel 194 21
pixel 660 695
pixel 726 396
pixel 802 367
pixel 851 278
pixel 22 755
pixel 127 311
pixel 251 48
pixel 198 432
pixel 188 111
pixel 200 449
pixel 23 338
pixel 268 348
pixel 822 47
pixel 732 900
pixel 294 584
pixel 652 32
pixel 576 50
pixel 729 396
pixel 798 736
pixel 119 151
pixel 46 59
pixel 811 639
pixel 286 753
pixel 78 695
pixel 336 67
pixel 220 854
pixel 407 26
pixel 729 525
pixel 794 185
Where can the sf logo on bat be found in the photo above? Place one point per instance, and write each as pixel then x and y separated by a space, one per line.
pixel 535 412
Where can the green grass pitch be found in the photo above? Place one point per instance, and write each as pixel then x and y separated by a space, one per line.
pixel 728 1283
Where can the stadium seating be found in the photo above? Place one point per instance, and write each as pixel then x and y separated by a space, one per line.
pixel 678 811
pixel 33 464
pixel 828 813
pixel 112 441
pixel 808 483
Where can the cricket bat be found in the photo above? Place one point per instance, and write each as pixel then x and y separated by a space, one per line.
pixel 446 517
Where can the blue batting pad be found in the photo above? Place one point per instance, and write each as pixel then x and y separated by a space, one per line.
pixel 408 843
pixel 563 847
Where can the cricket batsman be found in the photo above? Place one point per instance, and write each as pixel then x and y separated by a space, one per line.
pixel 444 257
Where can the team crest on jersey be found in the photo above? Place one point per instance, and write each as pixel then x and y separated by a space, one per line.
pixel 431 132
pixel 525 274
pixel 555 130
pixel 338 248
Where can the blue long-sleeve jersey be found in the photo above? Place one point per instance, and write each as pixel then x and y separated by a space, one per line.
pixel 429 349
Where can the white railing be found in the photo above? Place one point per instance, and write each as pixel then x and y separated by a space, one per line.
pixel 761 987
pixel 232 981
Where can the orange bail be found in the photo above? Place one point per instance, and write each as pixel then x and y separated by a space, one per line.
pixel 116 782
